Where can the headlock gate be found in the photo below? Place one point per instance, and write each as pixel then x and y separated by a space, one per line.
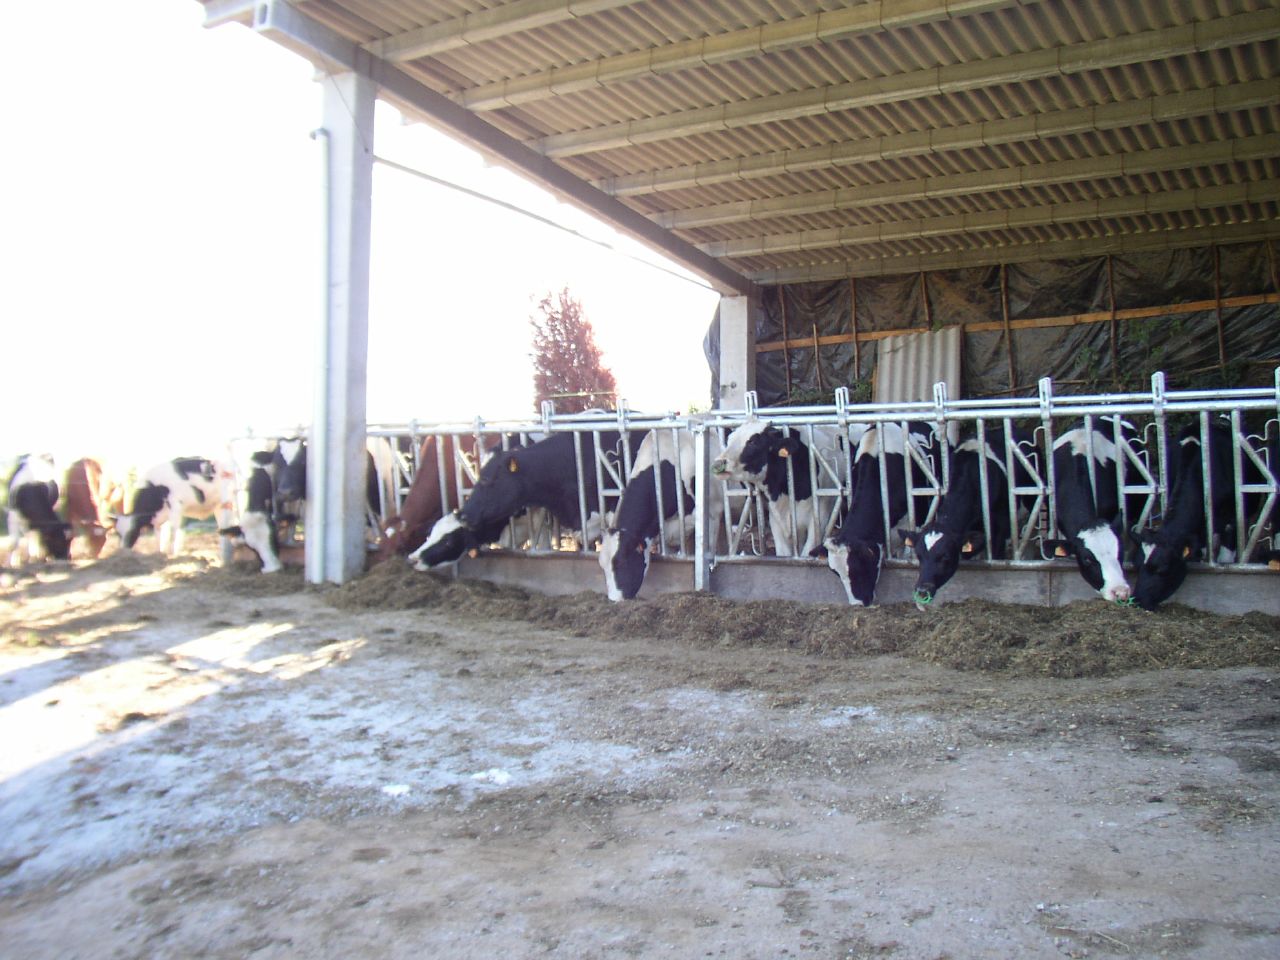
pixel 1140 429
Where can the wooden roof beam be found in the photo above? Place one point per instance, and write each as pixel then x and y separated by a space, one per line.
pixel 1141 47
pixel 829 26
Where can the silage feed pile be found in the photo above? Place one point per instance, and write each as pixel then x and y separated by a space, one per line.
pixel 1083 639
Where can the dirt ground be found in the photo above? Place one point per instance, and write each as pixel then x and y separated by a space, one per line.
pixel 202 762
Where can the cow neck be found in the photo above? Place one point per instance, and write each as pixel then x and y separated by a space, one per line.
pixel 961 508
pixel 1077 510
pixel 775 476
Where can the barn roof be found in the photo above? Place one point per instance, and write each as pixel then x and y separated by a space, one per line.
pixel 776 141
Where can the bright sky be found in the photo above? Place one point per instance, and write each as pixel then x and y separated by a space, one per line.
pixel 161 228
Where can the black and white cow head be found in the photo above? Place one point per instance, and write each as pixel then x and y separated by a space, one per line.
pixel 1099 555
pixel 939 553
pixel 751 450
pixel 1162 569
pixel 624 558
pixel 291 470
pixel 857 563
pixel 150 508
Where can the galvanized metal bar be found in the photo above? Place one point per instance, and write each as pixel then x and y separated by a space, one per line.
pixel 677 459
pixel 984 484
pixel 1206 473
pixel 702 556
pixel 1045 390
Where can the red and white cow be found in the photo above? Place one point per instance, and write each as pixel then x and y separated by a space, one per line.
pixel 92 498
pixel 424 503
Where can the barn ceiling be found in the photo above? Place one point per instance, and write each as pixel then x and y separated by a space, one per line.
pixel 777 141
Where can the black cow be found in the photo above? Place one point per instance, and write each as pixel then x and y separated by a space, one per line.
pixel 1181 536
pixel 1088 516
pixel 33 495
pixel 291 483
pixel 956 530
pixel 543 475
pixel 857 550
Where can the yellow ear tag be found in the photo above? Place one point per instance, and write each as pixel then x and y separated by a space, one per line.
pixel 909 541
pixel 1273 564
pixel 967 548
pixel 784 452
pixel 1186 551
pixel 1060 551
pixel 512 465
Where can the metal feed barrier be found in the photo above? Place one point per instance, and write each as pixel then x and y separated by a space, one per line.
pixel 1142 478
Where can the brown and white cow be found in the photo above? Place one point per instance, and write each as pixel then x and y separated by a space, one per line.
pixel 423 504
pixel 91 498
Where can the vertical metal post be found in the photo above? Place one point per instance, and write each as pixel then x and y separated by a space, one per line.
pixel 984 482
pixel 1045 387
pixel 335 549
pixel 1237 466
pixel 1162 432
pixel 701 474
pixel 1207 486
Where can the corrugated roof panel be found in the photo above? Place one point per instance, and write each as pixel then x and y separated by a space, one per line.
pixel 1028 177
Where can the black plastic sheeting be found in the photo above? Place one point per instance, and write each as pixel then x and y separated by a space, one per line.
pixel 1079 357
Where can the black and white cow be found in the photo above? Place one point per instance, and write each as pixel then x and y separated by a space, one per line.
pixel 33 497
pixel 626 546
pixel 1089 514
pixel 291 484
pixel 1181 536
pixel 956 530
pixel 758 453
pixel 171 491
pixel 543 475
pixel 857 551
pixel 257 528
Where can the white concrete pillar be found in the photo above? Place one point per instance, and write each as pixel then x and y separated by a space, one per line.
pixel 737 352
pixel 335 543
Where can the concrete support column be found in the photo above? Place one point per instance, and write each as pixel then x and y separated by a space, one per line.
pixel 737 351
pixel 335 543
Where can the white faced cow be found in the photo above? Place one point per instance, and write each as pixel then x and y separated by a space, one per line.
pixel 543 475
pixel 33 495
pixel 185 487
pixel 757 454
pixel 1088 510
pixel 626 546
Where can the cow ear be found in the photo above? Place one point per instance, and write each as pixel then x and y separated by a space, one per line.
pixel 973 543
pixel 513 465
pixel 788 446
pixel 1059 548
pixel 908 536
